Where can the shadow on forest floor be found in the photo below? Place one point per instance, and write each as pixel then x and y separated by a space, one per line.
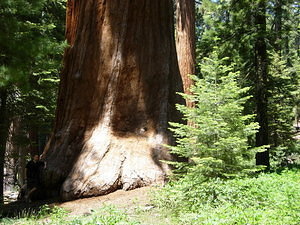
pixel 21 209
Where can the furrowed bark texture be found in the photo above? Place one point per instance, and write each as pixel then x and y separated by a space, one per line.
pixel 185 41
pixel 117 94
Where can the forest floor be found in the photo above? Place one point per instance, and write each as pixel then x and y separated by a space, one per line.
pixel 124 200
pixel 135 204
pixel 239 202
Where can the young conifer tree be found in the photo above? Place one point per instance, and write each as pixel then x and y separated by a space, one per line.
pixel 284 97
pixel 216 141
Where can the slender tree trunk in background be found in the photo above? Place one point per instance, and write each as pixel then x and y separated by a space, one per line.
pixel 18 151
pixel 21 166
pixel 278 26
pixel 3 136
pixel 33 137
pixel 185 41
pixel 117 94
pixel 278 44
pixel 261 76
pixel 10 156
pixel 297 47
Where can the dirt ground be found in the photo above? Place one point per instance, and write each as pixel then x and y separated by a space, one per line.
pixel 121 199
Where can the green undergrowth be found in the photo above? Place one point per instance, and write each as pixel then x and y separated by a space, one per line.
pixel 107 215
pixel 268 199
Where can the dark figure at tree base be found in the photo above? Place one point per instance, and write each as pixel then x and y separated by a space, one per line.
pixel 34 169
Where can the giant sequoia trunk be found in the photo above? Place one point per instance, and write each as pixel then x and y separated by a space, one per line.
pixel 185 41
pixel 117 94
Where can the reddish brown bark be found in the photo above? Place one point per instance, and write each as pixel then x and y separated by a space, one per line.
pixel 185 41
pixel 117 94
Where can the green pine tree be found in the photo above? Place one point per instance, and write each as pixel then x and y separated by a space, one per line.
pixel 31 47
pixel 215 139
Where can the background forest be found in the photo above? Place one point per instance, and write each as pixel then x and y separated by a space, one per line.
pixel 242 114
pixel 32 43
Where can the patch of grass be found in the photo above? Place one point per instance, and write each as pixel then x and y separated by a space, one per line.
pixel 108 215
pixel 154 216
pixel 269 199
pixel 32 216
